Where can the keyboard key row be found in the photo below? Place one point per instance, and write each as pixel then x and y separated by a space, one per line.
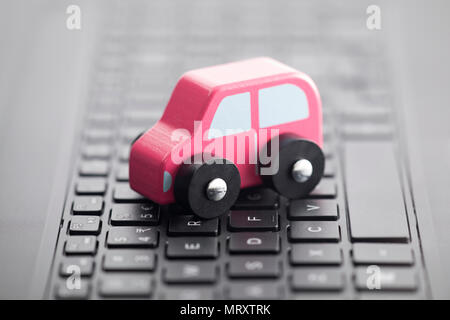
pixel 300 279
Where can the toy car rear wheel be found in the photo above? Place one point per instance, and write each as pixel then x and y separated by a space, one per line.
pixel 301 165
pixel 207 189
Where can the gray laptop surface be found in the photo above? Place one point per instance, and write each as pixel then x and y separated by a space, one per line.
pixel 71 102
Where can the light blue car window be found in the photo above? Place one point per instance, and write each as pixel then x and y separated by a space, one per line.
pixel 281 104
pixel 232 116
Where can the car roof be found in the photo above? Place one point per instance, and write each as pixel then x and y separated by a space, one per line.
pixel 239 71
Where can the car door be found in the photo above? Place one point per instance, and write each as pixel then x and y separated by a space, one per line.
pixel 232 136
pixel 282 108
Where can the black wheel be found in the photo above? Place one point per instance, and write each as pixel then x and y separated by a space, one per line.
pixel 300 167
pixel 207 189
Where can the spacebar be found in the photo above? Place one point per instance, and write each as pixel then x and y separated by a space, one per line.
pixel 375 201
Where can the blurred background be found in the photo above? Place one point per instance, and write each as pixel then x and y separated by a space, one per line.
pixel 110 79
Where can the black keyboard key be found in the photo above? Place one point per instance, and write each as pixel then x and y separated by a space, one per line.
pixel 254 242
pixel 123 193
pixel 257 198
pixel 141 117
pixel 132 237
pixel 313 209
pixel 254 291
pixel 98 135
pixel 357 114
pixel 328 150
pixel 129 260
pixel 122 173
pixel 84 264
pixel 330 168
pixel 314 231
pixel 254 267
pixel 97 151
pixel 315 254
pixel 183 293
pixel 383 253
pixel 101 120
pixel 124 153
pixel 125 285
pixel 91 186
pixel 327 130
pixel 262 220
pixel 375 198
pixel 306 279
pixel 69 289
pixel 190 225
pixel 94 168
pixel 87 205
pixel 190 272
pixel 325 189
pixel 192 247
pixel 374 278
pixel 366 131
pixel 84 225
pixel 81 245
pixel 135 214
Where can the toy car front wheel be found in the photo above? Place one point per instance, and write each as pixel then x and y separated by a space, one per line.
pixel 207 189
pixel 301 165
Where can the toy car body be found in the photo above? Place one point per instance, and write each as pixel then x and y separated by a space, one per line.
pixel 251 100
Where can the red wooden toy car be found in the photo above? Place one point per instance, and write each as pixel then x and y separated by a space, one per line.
pixel 229 127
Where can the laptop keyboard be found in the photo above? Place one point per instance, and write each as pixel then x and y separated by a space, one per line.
pixel 354 237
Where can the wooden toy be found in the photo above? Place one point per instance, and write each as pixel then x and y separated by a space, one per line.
pixel 228 127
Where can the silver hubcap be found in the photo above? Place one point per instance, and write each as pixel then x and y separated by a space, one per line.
pixel 302 170
pixel 216 189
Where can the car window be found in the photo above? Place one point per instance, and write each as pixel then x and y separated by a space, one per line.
pixel 232 116
pixel 281 104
